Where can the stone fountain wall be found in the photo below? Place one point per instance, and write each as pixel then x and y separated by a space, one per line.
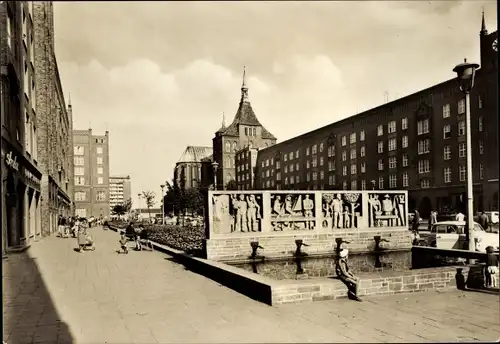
pixel 277 218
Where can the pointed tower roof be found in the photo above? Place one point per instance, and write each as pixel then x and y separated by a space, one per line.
pixel 69 99
pixel 245 114
pixel 483 25
pixel 223 128
pixel 195 154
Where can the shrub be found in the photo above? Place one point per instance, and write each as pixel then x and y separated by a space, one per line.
pixel 188 239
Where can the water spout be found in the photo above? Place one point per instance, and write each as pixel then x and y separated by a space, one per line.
pixel 378 239
pixel 255 246
pixel 339 242
pixel 298 252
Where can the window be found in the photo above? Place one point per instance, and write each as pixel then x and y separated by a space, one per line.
pixel 393 181
pixel 447 152
pixel 362 135
pixel 79 171
pixel 344 185
pixel 331 180
pixel 380 130
pixel 314 162
pixel 352 138
pixel 461 128
pixel 363 167
pixel 479 102
pixel 481 147
pixel 79 150
pixel 447 131
pixel 353 153
pixel 344 156
pixel 344 141
pixel 297 165
pixel 314 149
pixel 423 146
pixel 423 127
pixel 480 123
pixel 404 123
pixel 461 150
pixel 392 162
pixel 80 196
pixel 308 177
pixel 354 185
pixel 99 150
pixel 392 145
pixel 79 181
pixel 381 183
pixel 286 169
pixel 380 164
pixel 446 111
pixel 308 165
pixel 391 127
pixel 101 196
pixel 425 183
pixel 363 185
pixel 296 155
pixel 462 173
pixel 404 141
pixel 81 212
pixel 320 161
pixel 99 160
pixel 353 169
pixel 228 147
pixel 9 30
pixel 447 174
pixel 331 166
pixel 291 168
pixel 404 160
pixel 424 166
pixel 321 147
pixel 481 171
pixel 331 151
pixel 78 160
pixel 380 146
pixel 292 180
pixel 461 106
pixel 321 175
pixel 362 151
pixel 290 157
pixel 100 180
pixel 315 175
pixel 285 158
pixel 100 170
pixel 344 170
pixel 405 180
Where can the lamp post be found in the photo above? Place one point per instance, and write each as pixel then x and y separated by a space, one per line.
pixel 162 205
pixel 140 214
pixel 215 166
pixel 465 76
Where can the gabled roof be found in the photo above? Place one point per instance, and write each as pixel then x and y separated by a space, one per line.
pixel 195 154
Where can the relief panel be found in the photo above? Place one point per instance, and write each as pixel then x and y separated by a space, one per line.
pixel 293 211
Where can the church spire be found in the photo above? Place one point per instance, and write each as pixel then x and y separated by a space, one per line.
pixel 69 99
pixel 223 120
pixel 244 88
pixel 483 26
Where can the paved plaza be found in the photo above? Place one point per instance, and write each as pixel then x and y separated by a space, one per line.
pixel 53 294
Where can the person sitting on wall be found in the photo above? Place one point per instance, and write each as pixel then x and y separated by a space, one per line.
pixel 130 231
pixel 491 270
pixel 342 270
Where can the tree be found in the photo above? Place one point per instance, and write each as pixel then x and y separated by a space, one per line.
pixel 171 199
pixel 149 196
pixel 232 185
pixel 128 205
pixel 119 210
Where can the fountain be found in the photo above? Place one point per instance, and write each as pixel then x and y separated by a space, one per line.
pixel 298 252
pixel 339 242
pixel 255 246
pixel 378 250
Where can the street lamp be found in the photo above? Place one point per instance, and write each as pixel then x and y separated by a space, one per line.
pixel 162 205
pixel 465 76
pixel 140 214
pixel 215 166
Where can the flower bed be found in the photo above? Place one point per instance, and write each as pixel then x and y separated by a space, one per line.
pixel 188 238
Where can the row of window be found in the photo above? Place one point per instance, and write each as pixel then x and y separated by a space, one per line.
pixel 80 150
pixel 82 196
pixel 80 160
pixel 81 180
pixel 80 171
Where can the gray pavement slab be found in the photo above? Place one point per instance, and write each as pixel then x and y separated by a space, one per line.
pixel 53 294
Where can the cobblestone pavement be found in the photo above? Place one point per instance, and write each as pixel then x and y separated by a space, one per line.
pixel 143 297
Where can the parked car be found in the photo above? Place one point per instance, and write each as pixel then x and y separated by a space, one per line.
pixel 493 216
pixel 451 235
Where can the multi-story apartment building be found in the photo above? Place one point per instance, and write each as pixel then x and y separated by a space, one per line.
pixel 244 131
pixel 246 160
pixel 194 167
pixel 119 191
pixel 91 161
pixel 54 124
pixel 415 143
pixel 20 171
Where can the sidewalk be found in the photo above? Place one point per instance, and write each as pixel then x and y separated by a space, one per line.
pixel 144 297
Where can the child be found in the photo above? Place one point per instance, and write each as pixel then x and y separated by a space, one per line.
pixel 82 237
pixel 491 271
pixel 123 242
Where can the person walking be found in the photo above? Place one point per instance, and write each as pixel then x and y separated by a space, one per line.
pixel 484 221
pixel 432 219
pixel 61 223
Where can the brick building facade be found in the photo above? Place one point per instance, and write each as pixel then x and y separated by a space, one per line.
pixel 194 167
pixel 244 131
pixel 54 125
pixel 20 169
pixel 415 143
pixel 91 173
pixel 246 160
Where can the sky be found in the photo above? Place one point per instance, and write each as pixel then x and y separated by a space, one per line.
pixel 160 75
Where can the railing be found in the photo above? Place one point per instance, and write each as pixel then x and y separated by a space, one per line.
pixel 232 212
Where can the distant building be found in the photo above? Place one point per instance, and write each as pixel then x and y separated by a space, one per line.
pixel 119 190
pixel 194 167
pixel 244 131
pixel 145 213
pixel 246 162
pixel 91 159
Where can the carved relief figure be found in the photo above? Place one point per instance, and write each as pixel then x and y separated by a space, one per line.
pixel 289 206
pixel 253 214
pixel 352 199
pixel 308 205
pixel 337 211
pixel 221 217
pixel 327 210
pixel 387 205
pixel 346 217
pixel 277 207
pixel 400 209
pixel 240 205
pixel 375 210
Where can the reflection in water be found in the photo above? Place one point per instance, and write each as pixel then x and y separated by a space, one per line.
pixel 254 267
pixel 300 270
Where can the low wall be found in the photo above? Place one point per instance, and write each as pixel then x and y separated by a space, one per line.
pixel 277 218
